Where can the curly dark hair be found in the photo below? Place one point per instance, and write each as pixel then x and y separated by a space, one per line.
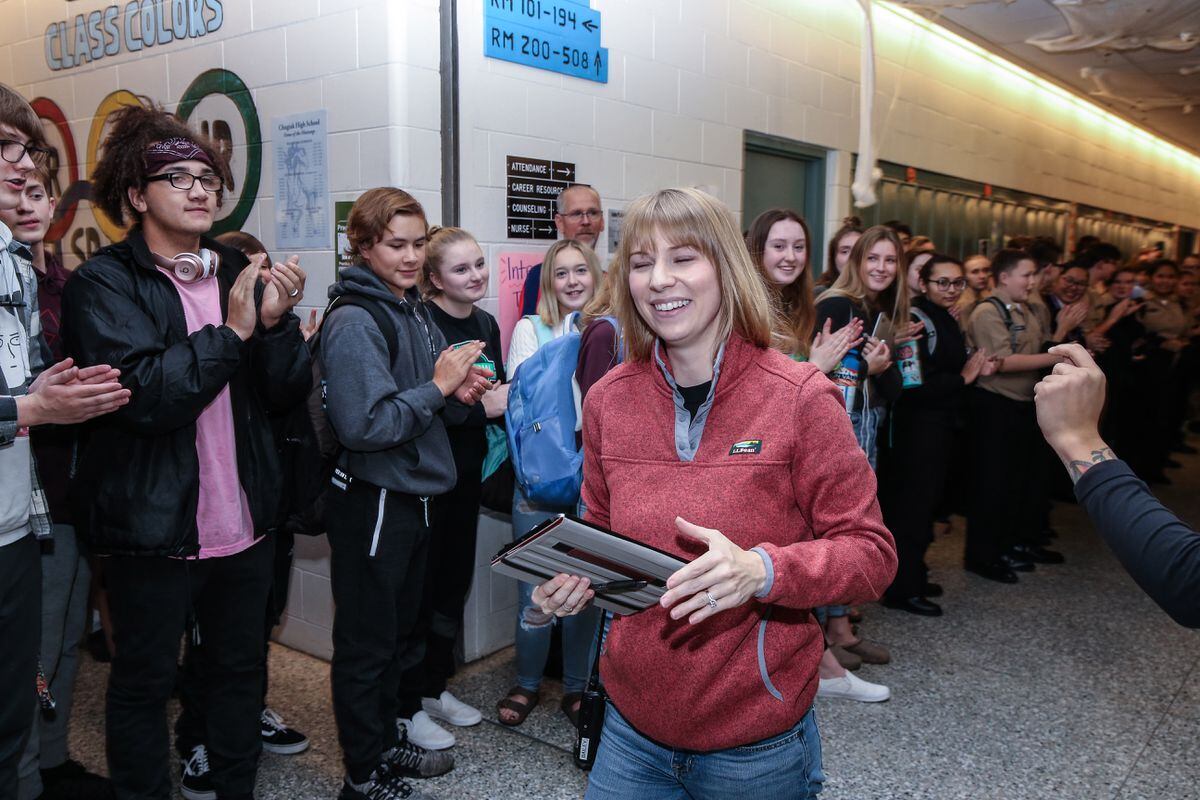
pixel 122 166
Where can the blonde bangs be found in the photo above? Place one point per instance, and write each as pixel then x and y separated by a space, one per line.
pixel 691 218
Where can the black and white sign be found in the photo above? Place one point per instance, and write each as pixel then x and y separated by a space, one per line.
pixel 533 184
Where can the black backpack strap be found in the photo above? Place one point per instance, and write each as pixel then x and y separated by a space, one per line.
pixel 378 313
pixel 1006 315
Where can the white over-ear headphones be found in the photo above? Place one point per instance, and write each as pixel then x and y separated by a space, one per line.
pixel 191 267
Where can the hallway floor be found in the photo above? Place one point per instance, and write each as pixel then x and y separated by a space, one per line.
pixel 1071 684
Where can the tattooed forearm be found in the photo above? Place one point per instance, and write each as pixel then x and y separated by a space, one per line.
pixel 1078 467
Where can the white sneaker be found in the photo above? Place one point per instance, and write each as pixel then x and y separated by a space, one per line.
pixel 449 708
pixel 424 732
pixel 849 687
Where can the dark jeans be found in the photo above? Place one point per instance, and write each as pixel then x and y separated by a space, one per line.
pixel 20 629
pixel 1008 495
pixel 150 600
pixel 912 484
pixel 191 725
pixel 447 582
pixel 66 581
pixel 379 543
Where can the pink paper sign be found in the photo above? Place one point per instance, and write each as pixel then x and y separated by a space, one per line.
pixel 512 269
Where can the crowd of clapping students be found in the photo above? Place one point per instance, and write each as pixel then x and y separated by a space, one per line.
pixel 184 486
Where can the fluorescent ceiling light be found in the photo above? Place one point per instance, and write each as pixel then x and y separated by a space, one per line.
pixel 986 58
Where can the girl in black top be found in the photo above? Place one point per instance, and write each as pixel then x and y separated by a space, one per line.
pixel 454 278
pixel 914 460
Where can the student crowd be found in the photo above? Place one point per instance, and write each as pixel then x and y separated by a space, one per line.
pixel 186 425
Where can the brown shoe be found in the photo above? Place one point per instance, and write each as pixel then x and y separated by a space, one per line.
pixel 847 659
pixel 869 652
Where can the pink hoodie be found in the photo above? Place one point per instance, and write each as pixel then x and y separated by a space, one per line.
pixel 777 467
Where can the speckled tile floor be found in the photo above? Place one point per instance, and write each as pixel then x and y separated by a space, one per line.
pixel 1071 685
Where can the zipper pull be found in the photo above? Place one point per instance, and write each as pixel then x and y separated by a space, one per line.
pixel 425 504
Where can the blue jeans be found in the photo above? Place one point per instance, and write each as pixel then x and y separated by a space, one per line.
pixel 534 626
pixel 866 430
pixel 783 767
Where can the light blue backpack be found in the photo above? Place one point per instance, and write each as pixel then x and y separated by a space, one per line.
pixel 541 418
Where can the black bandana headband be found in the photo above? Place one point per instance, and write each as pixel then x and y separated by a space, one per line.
pixel 170 151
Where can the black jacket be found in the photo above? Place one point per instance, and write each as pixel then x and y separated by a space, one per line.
pixel 942 385
pixel 136 481
pixel 1160 552
pixel 884 388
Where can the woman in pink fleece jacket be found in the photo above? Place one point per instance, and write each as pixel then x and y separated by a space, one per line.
pixel 710 445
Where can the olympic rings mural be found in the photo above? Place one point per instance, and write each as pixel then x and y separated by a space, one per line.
pixel 71 186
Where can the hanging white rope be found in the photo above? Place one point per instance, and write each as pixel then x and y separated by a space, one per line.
pixel 865 173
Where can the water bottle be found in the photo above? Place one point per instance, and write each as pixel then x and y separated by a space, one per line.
pixel 908 360
pixel 845 376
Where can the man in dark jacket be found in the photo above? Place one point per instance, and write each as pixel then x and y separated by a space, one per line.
pixel 178 489
pixel 1159 551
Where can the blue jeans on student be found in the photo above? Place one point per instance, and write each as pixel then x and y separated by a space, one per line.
pixel 783 767
pixel 534 626
pixel 866 430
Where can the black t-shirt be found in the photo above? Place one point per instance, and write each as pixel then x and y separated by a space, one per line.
pixel 694 397
pixel 468 440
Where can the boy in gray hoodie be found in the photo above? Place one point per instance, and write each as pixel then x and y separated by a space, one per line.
pixel 389 414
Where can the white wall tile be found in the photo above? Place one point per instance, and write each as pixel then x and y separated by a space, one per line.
pixel 358 99
pixel 726 60
pixel 259 59
pixel 623 127
pixel 700 98
pixel 722 145
pixel 644 174
pixel 677 137
pixel 273 13
pixel 679 45
pixel 322 46
pixel 648 83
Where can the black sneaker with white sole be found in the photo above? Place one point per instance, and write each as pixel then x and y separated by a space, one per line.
pixel 414 761
pixel 384 784
pixel 279 738
pixel 196 781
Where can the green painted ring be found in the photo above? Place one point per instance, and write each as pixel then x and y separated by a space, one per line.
pixel 222 81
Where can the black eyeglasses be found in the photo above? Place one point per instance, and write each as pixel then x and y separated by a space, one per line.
pixel 13 151
pixel 591 213
pixel 186 180
pixel 945 284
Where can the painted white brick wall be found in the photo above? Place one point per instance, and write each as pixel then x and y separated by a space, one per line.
pixel 373 64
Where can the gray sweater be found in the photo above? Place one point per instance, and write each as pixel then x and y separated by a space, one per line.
pixel 391 422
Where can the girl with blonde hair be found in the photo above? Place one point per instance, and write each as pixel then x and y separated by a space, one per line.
pixel 708 444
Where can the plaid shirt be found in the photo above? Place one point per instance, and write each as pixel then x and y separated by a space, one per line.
pixel 14 273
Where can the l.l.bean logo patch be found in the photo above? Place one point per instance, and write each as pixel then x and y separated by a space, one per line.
pixel 746 447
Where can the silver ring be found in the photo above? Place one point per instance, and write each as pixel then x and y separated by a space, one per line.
pixel 712 601
pixel 566 609
pixel 293 292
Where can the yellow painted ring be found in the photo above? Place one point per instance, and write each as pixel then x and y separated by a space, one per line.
pixel 113 102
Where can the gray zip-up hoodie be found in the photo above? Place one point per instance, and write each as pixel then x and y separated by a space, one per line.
pixel 390 422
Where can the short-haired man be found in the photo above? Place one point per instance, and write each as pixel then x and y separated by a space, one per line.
pixel 577 215
pixel 62 394
pixel 1004 519
pixel 178 489
pixel 46 771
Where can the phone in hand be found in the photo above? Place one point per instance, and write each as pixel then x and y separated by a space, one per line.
pixel 1139 292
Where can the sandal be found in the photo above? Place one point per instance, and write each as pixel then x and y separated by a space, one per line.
pixel 520 709
pixel 570 706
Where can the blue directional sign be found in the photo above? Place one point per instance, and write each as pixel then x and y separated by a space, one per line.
pixel 557 35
